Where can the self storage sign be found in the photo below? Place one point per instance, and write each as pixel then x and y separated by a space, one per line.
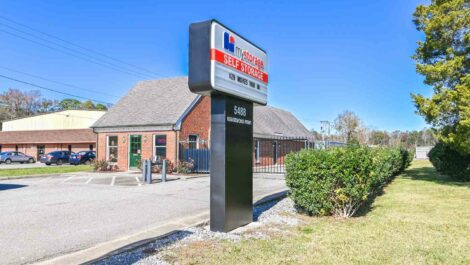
pixel 222 61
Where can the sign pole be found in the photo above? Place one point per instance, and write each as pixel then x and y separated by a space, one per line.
pixel 231 200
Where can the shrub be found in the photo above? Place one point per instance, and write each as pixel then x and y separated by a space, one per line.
pixel 185 167
pixel 157 168
pixel 100 165
pixel 339 181
pixel 449 161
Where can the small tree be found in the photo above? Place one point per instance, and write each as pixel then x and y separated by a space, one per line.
pixel 70 103
pixel 100 106
pixel 348 124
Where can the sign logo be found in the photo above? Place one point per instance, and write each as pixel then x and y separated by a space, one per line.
pixel 229 42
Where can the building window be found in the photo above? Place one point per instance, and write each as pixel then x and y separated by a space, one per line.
pixel 0 148
pixel 91 147
pixel 257 151
pixel 193 141
pixel 112 149
pixel 16 148
pixel 159 146
pixel 70 148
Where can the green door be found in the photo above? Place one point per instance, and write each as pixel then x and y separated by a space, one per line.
pixel 135 150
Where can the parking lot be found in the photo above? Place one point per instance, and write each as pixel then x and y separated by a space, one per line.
pixel 50 216
pixel 24 165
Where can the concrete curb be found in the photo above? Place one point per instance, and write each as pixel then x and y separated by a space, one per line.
pixel 40 175
pixel 131 242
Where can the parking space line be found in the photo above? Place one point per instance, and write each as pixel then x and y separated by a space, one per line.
pixel 88 181
pixel 113 180
pixel 67 179
pixel 44 179
pixel 138 181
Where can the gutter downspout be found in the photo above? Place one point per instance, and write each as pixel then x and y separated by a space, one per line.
pixel 177 153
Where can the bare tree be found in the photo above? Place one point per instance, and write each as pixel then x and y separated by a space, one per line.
pixel 348 124
pixel 17 104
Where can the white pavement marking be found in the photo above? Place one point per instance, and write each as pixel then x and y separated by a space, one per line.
pixel 44 179
pixel 138 181
pixel 113 181
pixel 89 179
pixel 67 179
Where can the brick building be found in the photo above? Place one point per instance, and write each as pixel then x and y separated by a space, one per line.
pixel 162 118
pixel 41 134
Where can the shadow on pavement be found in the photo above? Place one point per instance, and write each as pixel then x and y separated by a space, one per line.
pixel 11 186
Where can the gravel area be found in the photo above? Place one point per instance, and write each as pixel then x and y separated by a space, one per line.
pixel 279 212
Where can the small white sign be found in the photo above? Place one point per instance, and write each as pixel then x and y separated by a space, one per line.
pixel 238 67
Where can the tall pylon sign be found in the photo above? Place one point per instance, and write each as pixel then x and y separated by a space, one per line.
pixel 233 72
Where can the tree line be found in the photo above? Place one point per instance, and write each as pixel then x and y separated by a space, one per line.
pixel 15 104
pixel 349 128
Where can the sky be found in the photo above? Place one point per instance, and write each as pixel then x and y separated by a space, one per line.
pixel 325 57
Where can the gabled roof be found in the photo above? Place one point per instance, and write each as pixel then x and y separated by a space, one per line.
pixel 153 102
pixel 48 136
pixel 163 103
pixel 270 121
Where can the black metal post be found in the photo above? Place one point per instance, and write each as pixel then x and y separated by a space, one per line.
pixel 231 201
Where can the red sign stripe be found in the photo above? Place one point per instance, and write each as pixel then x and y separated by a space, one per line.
pixel 235 63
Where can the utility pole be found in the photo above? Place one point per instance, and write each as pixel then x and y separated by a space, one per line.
pixel 325 128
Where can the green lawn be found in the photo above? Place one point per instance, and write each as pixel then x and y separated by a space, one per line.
pixel 421 218
pixel 9 173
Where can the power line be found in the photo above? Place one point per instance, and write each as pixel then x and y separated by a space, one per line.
pixel 72 54
pixel 79 46
pixel 72 50
pixel 57 82
pixel 52 90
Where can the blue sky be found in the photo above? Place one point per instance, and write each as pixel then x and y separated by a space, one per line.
pixel 324 56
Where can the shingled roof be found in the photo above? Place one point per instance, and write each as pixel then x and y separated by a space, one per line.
pixel 164 102
pixel 154 102
pixel 270 121
pixel 48 136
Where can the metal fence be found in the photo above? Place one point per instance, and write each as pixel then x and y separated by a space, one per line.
pixel 199 158
pixel 268 154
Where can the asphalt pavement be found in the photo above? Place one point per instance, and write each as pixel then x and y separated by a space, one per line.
pixel 24 165
pixel 42 218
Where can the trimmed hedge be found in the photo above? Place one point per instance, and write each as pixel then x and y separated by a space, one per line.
pixel 339 181
pixel 450 162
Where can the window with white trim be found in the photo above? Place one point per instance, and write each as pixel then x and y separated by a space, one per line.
pixel 159 146
pixel 193 141
pixel 112 149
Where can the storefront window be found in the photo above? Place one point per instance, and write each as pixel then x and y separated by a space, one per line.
pixel 112 149
pixel 160 146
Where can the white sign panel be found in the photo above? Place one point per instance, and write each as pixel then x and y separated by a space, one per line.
pixel 238 67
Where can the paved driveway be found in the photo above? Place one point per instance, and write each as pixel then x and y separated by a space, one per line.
pixel 45 217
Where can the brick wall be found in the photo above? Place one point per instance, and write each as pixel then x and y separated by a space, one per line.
pixel 198 122
pixel 147 146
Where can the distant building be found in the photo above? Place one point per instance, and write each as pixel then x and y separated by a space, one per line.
pixel 422 152
pixel 41 134
pixel 163 118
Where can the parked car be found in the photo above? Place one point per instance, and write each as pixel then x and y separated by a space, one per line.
pixel 9 157
pixel 82 157
pixel 56 157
